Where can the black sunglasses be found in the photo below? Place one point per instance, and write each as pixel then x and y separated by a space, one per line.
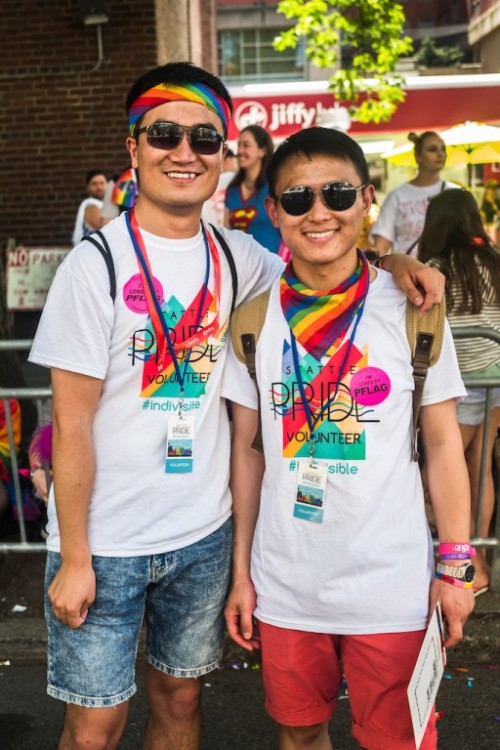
pixel 339 196
pixel 203 139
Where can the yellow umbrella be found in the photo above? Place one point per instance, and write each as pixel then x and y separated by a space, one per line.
pixel 468 143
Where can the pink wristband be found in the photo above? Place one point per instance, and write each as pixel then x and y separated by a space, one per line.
pixel 456 548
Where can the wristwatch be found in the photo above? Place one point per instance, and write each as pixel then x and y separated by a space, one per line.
pixel 464 573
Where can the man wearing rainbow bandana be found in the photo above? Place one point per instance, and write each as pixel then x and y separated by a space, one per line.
pixel 332 552
pixel 140 510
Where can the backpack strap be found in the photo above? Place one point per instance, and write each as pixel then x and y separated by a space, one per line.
pixel 425 336
pixel 232 266
pixel 246 325
pixel 108 258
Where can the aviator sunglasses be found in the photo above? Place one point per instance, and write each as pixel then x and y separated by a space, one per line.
pixel 203 139
pixel 339 196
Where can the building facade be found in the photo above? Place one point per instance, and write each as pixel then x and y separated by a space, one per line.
pixel 65 73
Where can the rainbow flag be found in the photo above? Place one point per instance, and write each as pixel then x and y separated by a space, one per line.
pixel 126 189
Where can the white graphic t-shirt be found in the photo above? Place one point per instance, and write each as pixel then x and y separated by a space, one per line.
pixel 402 215
pixel 137 508
pixel 358 559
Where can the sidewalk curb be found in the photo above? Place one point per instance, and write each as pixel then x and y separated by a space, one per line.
pixel 23 639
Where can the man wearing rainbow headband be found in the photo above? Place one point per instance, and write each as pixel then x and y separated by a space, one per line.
pixel 141 434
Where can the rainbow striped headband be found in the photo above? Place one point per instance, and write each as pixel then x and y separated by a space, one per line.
pixel 171 92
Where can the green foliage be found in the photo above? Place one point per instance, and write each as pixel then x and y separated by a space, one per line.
pixel 435 57
pixel 371 31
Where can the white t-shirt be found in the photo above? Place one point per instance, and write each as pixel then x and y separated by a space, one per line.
pixel 366 568
pixel 136 507
pixel 81 228
pixel 402 215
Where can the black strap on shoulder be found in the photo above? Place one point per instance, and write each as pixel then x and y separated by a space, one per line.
pixel 232 267
pixel 108 258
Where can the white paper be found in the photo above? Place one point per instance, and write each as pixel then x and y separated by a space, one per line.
pixel 426 677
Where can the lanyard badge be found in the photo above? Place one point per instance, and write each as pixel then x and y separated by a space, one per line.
pixel 181 427
pixel 312 475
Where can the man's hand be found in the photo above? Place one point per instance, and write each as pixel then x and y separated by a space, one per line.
pixel 72 592
pixel 424 286
pixel 456 605
pixel 239 615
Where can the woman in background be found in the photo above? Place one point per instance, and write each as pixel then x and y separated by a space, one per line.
pixel 402 215
pixel 455 242
pixel 247 191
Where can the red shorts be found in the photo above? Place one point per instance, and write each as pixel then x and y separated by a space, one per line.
pixel 302 675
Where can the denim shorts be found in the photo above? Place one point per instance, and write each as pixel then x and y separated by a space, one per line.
pixel 182 596
pixel 470 411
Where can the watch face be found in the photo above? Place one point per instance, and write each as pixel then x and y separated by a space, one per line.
pixel 469 573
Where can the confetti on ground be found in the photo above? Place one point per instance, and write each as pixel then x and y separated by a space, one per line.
pixel 5 663
pixel 19 608
pixel 439 715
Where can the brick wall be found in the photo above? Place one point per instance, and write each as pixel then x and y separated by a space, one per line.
pixel 59 117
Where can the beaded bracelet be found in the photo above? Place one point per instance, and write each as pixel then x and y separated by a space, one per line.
pixel 454 581
pixel 456 548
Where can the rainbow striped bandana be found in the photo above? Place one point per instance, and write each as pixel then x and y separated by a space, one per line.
pixel 170 92
pixel 320 320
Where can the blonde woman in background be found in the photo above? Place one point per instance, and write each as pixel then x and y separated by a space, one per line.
pixel 402 215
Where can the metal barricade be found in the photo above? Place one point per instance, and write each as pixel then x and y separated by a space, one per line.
pixel 491 542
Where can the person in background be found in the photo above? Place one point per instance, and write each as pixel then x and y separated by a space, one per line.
pixel 365 238
pixel 88 216
pixel 6 498
pixel 490 210
pixel 401 219
pixel 455 242
pixel 247 191
pixel 339 573
pixel 213 210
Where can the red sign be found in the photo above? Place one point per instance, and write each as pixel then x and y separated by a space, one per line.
pixel 432 105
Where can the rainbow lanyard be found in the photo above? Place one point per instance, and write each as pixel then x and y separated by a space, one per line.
pixel 160 327
pixel 314 419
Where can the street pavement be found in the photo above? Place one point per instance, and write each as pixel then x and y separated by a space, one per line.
pixel 233 716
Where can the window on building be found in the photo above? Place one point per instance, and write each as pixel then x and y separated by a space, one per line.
pixel 248 56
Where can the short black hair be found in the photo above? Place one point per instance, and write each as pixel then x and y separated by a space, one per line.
pixel 317 142
pixel 94 173
pixel 177 73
